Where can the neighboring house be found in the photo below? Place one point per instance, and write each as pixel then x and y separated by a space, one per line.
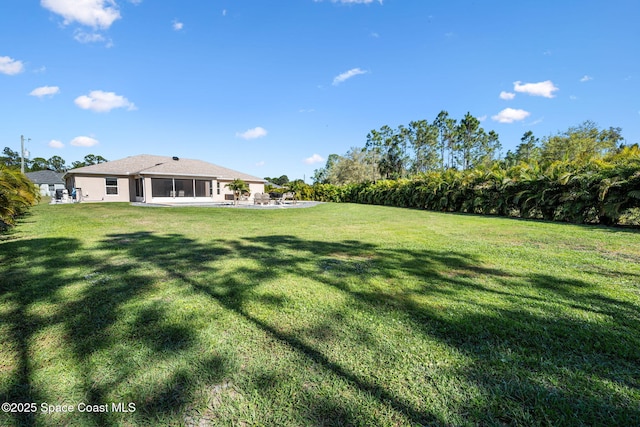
pixel 156 179
pixel 48 181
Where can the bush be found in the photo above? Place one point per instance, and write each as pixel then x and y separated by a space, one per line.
pixel 600 191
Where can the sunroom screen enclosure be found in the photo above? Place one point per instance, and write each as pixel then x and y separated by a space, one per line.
pixel 180 187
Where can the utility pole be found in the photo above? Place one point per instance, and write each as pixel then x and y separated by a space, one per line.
pixel 22 152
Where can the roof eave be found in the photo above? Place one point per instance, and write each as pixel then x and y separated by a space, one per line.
pixel 174 174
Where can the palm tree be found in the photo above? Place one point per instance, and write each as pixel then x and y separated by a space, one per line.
pixel 238 187
pixel 17 194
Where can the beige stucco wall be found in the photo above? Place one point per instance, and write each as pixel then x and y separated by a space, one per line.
pixel 94 189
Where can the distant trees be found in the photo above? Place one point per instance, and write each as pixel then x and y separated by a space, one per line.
pixel 282 180
pixel 57 163
pixel 579 144
pixel 38 164
pixel 581 175
pixel 418 148
pixel 11 159
pixel 421 146
pixel 89 159
pixel 355 166
pixel 603 190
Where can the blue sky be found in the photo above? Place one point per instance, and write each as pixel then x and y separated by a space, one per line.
pixel 274 87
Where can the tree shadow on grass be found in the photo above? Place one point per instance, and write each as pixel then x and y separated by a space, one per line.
pixel 62 306
pixel 514 351
pixel 32 274
pixel 530 359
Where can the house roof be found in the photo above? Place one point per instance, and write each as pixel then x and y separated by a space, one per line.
pixel 145 164
pixel 45 177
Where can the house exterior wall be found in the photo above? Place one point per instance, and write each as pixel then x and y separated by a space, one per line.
pixel 256 188
pixel 44 189
pixel 94 188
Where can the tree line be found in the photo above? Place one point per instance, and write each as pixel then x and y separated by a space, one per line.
pixel 11 159
pixel 582 175
pixel 603 190
pixel 445 143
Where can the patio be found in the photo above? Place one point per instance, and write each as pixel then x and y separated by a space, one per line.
pixel 242 204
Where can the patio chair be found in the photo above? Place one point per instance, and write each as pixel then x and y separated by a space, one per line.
pixel 289 196
pixel 261 199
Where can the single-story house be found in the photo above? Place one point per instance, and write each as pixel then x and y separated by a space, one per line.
pixel 48 181
pixel 156 179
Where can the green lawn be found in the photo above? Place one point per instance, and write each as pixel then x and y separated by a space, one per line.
pixel 331 315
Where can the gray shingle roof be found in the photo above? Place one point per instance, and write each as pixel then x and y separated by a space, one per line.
pixel 45 177
pixel 146 164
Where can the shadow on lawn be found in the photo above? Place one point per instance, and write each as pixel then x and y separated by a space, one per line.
pixel 47 283
pixel 530 361
pixel 514 350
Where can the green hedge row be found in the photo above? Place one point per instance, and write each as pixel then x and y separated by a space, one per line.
pixel 600 191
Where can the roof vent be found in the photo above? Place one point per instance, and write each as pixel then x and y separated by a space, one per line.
pixel 176 158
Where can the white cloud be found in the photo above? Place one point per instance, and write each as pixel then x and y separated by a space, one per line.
pixel 177 25
pixel 347 75
pixel 573 97
pixel 510 115
pixel 585 78
pixel 260 163
pixel 482 118
pixel 316 158
pixel 84 141
pixel 92 13
pixel 101 102
pixel 84 37
pixel 54 143
pixel 257 132
pixel 10 66
pixel 45 91
pixel 507 96
pixel 545 88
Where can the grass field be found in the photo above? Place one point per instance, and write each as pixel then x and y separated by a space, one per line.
pixel 331 315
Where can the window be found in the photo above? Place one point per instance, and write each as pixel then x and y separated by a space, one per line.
pixel 161 187
pixel 112 186
pixel 218 186
pixel 139 187
pixel 203 188
pixel 184 187
pixel 167 187
pixel 52 188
